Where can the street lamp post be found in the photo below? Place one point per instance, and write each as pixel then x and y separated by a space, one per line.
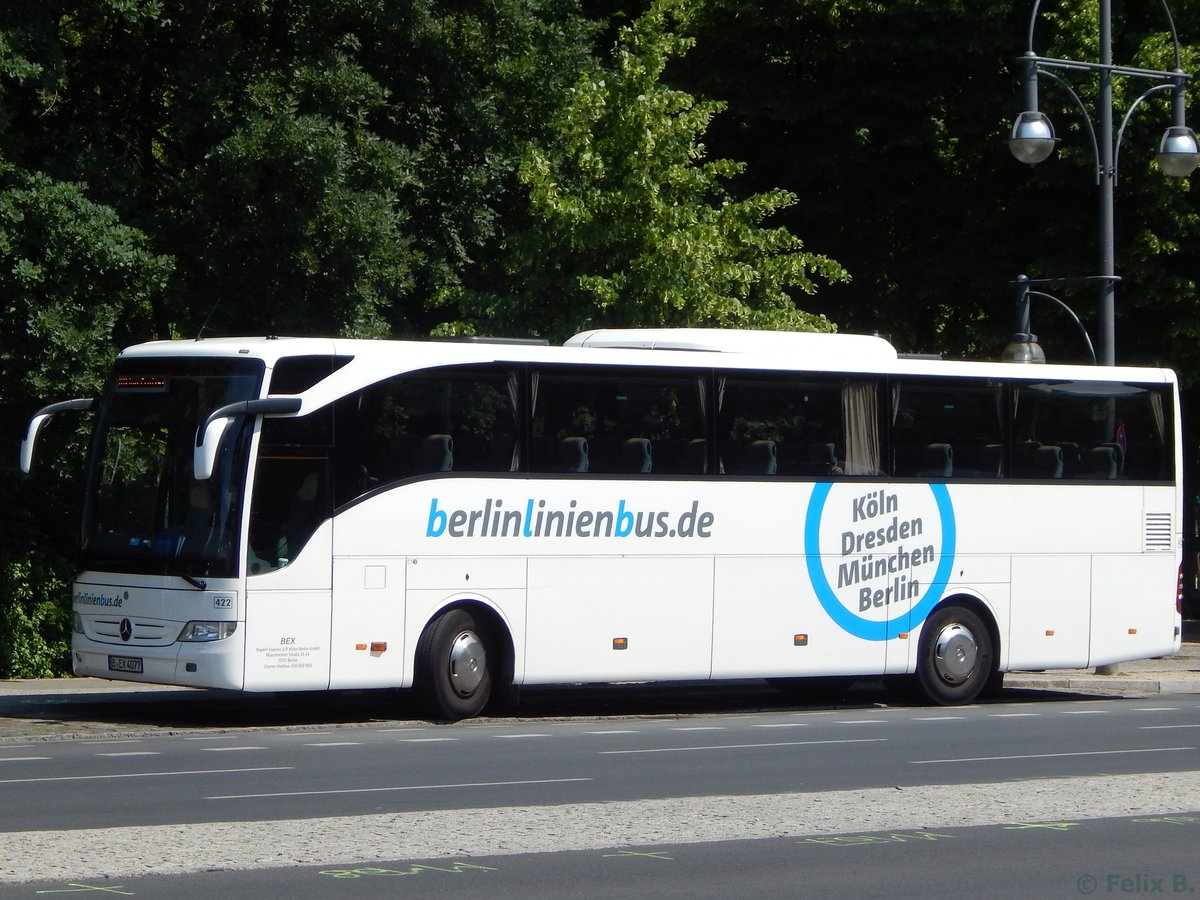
pixel 1032 140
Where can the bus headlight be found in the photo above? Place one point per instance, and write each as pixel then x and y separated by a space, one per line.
pixel 77 625
pixel 207 631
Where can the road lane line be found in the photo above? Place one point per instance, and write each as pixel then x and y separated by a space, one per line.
pixel 145 775
pixel 1162 727
pixel 613 731
pixel 1014 715
pixel 426 740
pixel 938 718
pixel 698 728
pixel 24 758
pixel 114 741
pixel 781 725
pixel 336 744
pixel 519 737
pixel 1086 712
pixel 229 749
pixel 741 746
pixel 403 787
pixel 922 762
pixel 132 753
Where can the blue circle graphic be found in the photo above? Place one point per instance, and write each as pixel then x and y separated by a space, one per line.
pixel 871 629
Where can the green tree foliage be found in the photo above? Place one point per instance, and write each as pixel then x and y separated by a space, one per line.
pixel 630 223
pixel 75 283
pixel 359 167
pixel 34 622
pixel 889 120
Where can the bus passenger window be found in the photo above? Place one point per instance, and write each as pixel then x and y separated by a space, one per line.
pixel 1103 431
pixel 948 428
pixel 797 425
pixel 617 421
pixel 460 419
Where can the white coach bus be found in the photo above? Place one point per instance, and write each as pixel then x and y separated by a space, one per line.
pixel 274 514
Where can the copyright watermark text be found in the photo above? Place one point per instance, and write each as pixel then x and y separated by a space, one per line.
pixel 1137 883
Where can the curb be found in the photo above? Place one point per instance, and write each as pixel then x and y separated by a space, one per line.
pixel 1103 684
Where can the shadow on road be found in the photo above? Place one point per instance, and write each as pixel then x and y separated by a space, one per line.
pixel 101 712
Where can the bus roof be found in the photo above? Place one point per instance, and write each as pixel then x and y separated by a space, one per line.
pixel 652 347
pixel 816 347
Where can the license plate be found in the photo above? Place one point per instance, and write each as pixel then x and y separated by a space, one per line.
pixel 125 664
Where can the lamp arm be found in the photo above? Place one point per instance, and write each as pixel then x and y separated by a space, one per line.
pixel 1070 312
pixel 1174 34
pixel 1087 119
pixel 1032 22
pixel 1129 115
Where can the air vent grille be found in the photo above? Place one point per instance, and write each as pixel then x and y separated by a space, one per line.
pixel 1157 532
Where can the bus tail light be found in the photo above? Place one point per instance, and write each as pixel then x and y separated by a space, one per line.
pixel 1179 593
pixel 199 632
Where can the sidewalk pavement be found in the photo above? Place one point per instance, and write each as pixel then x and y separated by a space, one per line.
pixel 1178 674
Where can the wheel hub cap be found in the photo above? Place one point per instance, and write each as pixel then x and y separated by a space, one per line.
pixel 955 653
pixel 468 662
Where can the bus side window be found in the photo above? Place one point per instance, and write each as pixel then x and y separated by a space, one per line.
pixel 1104 431
pixel 455 419
pixel 618 421
pixel 794 425
pixel 948 428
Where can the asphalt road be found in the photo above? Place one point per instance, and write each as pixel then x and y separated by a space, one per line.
pixel 725 799
pixel 1129 856
pixel 300 772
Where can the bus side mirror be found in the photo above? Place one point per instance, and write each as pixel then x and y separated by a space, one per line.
pixel 41 417
pixel 209 435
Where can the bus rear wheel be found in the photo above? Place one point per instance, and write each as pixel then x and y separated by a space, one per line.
pixel 454 675
pixel 956 657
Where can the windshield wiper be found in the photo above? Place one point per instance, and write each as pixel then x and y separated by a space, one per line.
pixel 198 583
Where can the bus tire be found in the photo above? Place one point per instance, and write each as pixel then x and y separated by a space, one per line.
pixel 955 660
pixel 454 672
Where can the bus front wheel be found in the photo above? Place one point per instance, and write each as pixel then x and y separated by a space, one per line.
pixel 454 676
pixel 956 657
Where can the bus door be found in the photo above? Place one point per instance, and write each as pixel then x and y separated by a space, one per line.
pixel 289 585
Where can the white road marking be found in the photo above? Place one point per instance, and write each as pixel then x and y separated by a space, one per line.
pixel 132 753
pixel 145 775
pixel 742 746
pixel 394 788
pixel 1163 727
pixel 426 740
pixel 922 762
pixel 519 737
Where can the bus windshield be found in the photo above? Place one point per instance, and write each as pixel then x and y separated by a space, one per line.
pixel 143 510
